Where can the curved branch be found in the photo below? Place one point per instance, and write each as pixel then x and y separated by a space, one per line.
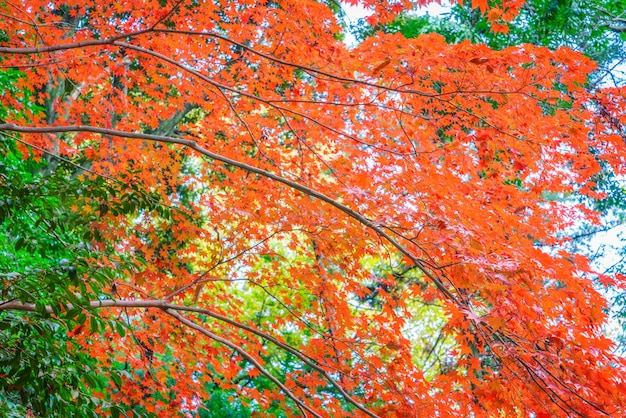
pixel 111 40
pixel 169 308
pixel 292 184
pixel 268 57
pixel 74 45
pixel 223 87
pixel 114 41
pixel 301 405
pixel 103 176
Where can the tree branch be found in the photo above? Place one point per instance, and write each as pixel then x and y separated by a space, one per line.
pixel 292 184
pixel 246 356
pixel 170 308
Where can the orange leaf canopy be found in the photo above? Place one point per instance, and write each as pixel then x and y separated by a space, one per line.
pixel 373 227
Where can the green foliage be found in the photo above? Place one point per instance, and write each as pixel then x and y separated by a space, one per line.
pixel 43 372
pixel 47 249
pixel 8 88
pixel 581 26
pixel 223 404
pixel 42 257
pixel 411 26
pixel 51 255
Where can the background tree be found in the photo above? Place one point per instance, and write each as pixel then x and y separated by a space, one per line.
pixel 306 227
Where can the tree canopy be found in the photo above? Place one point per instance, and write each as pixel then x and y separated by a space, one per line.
pixel 220 209
pixel 594 28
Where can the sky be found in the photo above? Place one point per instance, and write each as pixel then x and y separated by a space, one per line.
pixel 354 13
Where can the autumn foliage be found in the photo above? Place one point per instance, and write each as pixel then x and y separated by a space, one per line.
pixel 371 231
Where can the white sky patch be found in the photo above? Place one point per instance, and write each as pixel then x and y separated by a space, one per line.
pixel 354 13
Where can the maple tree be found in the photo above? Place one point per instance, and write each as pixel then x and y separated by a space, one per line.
pixel 265 219
pixel 593 28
